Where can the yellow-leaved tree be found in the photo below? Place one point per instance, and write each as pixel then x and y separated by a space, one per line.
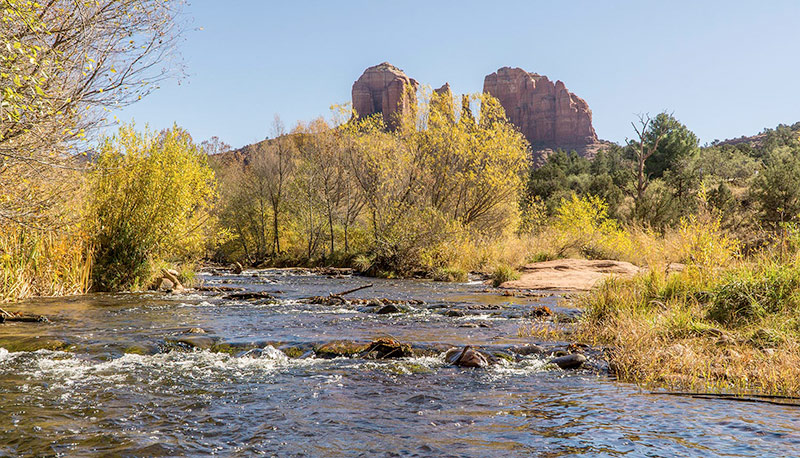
pixel 150 196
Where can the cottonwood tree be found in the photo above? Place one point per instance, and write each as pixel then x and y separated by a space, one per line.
pixel 280 163
pixel 62 64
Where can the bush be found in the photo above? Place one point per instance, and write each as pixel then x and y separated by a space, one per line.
pixel 583 224
pixel 149 201
pixel 502 274
pixel 450 274
pixel 747 294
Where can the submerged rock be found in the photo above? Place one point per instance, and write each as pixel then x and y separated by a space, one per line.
pixel 541 311
pixel 571 361
pixel 338 348
pixel 198 342
pixel 389 309
pixel 530 349
pixel 385 348
pixel 466 357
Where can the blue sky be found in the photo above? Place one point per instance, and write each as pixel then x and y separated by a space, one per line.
pixel 724 68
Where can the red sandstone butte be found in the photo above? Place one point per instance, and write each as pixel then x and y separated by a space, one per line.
pixel 381 89
pixel 547 114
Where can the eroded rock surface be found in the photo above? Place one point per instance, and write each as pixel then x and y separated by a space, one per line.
pixel 570 274
pixel 382 89
pixel 550 116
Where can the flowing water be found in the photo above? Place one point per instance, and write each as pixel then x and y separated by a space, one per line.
pixel 116 375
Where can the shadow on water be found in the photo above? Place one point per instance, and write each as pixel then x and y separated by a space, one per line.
pixel 112 375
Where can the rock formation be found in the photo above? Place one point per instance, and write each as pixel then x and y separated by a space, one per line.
pixel 547 114
pixel 382 89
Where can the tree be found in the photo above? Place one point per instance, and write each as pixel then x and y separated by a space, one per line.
pixel 62 63
pixel 65 59
pixel 677 144
pixel 280 165
pixel 650 132
pixel 777 188
pixel 150 196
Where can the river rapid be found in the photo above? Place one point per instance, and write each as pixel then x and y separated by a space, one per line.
pixel 121 375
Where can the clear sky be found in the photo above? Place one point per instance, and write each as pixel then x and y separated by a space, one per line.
pixel 724 68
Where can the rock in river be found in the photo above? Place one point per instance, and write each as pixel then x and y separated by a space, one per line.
pixel 466 357
pixel 195 341
pixel 571 361
pixel 385 348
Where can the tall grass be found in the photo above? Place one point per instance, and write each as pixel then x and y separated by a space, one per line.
pixel 735 328
pixel 42 263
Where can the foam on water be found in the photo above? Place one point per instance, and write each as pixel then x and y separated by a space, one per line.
pixel 68 369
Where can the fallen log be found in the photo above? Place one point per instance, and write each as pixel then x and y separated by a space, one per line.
pixel 18 317
pixel 351 290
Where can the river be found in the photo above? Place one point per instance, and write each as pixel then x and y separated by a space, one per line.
pixel 116 375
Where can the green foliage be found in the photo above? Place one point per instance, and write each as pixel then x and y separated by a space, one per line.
pixel 777 188
pixel 149 197
pixel 606 176
pixel 450 274
pixel 678 143
pixel 504 273
pixel 748 294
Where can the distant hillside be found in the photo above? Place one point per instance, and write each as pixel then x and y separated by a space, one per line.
pixel 782 134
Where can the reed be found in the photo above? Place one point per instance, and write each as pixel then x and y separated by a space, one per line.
pixel 42 263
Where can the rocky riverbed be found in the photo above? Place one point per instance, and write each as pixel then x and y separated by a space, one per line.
pixel 274 362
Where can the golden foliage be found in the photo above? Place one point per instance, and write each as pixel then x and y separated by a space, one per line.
pixel 149 200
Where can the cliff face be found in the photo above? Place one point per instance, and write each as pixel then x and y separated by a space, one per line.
pixel 381 89
pixel 545 112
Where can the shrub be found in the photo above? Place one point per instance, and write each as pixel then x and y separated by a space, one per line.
pixel 502 274
pixel 149 201
pixel 583 224
pixel 747 294
pixel 450 274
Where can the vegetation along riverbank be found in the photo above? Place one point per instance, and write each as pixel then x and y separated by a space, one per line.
pixel 438 186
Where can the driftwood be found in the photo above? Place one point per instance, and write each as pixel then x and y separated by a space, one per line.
pixel 249 296
pixel 18 317
pixel 334 299
pixel 351 290
pixel 218 289
pixel 758 398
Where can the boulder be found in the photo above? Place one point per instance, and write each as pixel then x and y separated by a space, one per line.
pixel 169 281
pixel 530 349
pixel 385 348
pixel 338 348
pixel 383 89
pixel 571 361
pixel 165 285
pixel 466 357
pixel 389 309
pixel 198 342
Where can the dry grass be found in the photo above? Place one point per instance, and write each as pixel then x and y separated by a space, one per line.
pixel 42 263
pixel 660 333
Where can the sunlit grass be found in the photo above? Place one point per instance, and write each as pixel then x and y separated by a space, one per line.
pixel 36 263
